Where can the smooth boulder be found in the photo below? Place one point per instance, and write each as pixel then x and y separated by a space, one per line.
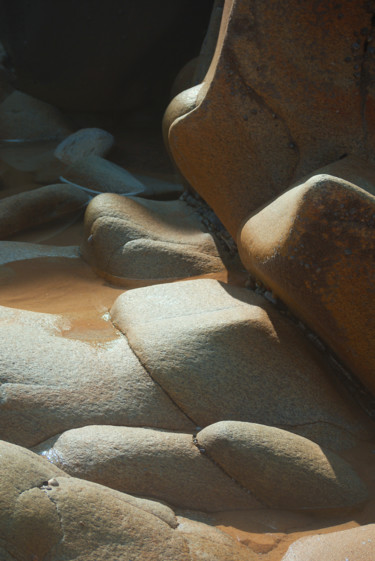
pixel 132 238
pixel 150 463
pixel 282 469
pixel 314 246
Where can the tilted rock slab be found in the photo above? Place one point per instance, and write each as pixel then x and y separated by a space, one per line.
pixel 224 353
pixel 355 544
pixel 282 469
pixel 132 238
pixel 149 463
pixel 228 466
pixel 39 206
pixel 44 513
pixel 314 246
pixel 50 383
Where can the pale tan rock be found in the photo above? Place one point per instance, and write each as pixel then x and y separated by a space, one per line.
pixel 355 544
pixel 282 469
pixel 39 206
pixel 132 238
pixel 314 247
pixel 224 353
pixel 51 383
pixel 82 520
pixel 25 117
pixel 22 475
pixel 150 463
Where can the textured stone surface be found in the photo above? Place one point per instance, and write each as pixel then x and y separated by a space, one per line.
pixel 314 247
pixel 282 469
pixel 24 117
pixel 223 353
pixel 51 383
pixel 356 544
pixel 139 239
pixel 39 206
pixel 279 101
pixel 151 463
pixel 75 519
pixel 84 143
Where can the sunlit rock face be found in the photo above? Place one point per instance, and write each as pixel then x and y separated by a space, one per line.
pixel 289 90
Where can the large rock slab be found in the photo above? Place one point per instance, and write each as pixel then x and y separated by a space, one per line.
pixel 282 469
pixel 39 206
pixel 314 247
pixel 288 91
pixel 146 462
pixel 224 353
pixel 50 383
pixel 132 238
pixel 355 543
pixel 45 513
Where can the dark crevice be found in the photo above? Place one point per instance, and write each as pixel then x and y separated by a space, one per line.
pixel 368 51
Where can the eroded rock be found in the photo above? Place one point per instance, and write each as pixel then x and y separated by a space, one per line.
pixel 282 469
pixel 314 247
pixel 132 238
pixel 80 519
pixel 149 463
pixel 51 383
pixel 224 353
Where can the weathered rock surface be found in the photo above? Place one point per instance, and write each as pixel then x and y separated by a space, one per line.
pixel 314 246
pixel 277 108
pixel 355 544
pixel 50 383
pixel 149 463
pixel 132 238
pixel 223 353
pixel 44 512
pixel 281 469
pixel 39 206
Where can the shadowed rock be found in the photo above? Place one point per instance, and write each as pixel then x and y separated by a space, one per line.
pixel 131 238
